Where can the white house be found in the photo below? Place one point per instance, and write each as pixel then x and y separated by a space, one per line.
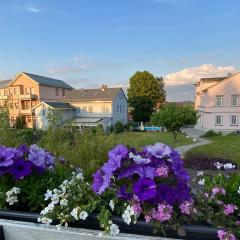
pixel 217 102
pixel 87 108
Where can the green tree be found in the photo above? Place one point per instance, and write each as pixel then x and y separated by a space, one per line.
pixel 19 124
pixel 161 89
pixel 144 92
pixel 174 117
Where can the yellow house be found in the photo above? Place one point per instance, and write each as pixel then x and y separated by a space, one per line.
pixel 27 90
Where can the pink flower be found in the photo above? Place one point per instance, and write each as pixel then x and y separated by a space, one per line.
pixel 148 218
pixel 186 207
pixel 206 195
pixel 163 213
pixel 137 208
pixel 218 190
pixel 229 209
pixel 222 235
pixel 162 171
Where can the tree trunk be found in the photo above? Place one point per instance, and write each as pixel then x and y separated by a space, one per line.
pixel 175 136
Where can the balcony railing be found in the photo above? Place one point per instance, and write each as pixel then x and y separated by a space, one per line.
pixel 27 96
pixel 3 97
pixel 25 111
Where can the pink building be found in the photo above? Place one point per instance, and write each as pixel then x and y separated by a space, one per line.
pixel 217 102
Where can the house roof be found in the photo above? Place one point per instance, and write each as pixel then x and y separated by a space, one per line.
pixel 214 79
pixel 4 83
pixel 48 81
pixel 108 94
pixel 56 105
pixel 223 80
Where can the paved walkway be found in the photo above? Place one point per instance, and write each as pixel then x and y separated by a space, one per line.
pixel 192 133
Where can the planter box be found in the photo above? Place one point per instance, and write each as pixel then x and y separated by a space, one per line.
pixel 193 232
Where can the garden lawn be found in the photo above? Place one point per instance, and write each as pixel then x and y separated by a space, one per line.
pixel 225 147
pixel 140 139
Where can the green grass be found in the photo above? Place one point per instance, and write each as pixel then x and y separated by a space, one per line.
pixel 227 147
pixel 140 139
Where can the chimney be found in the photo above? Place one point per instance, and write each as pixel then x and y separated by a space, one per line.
pixel 103 87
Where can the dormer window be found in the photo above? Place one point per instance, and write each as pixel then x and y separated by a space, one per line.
pixel 219 101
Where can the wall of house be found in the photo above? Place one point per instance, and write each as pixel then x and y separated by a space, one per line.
pixel 120 109
pixel 209 110
pixel 42 119
pixel 96 108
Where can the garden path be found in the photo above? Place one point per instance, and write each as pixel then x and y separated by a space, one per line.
pixel 195 134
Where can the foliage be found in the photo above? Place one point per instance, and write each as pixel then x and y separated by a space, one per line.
pixel 19 123
pixel 118 127
pixel 144 92
pixel 161 87
pixel 212 133
pixel 218 203
pixel 25 175
pixel 174 117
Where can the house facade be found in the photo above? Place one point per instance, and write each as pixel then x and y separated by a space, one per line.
pixel 217 101
pixel 90 107
pixel 26 91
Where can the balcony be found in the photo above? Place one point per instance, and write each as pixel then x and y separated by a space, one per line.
pixel 3 97
pixel 28 96
pixel 25 111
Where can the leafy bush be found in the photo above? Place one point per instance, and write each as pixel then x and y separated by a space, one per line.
pixel 19 124
pixel 118 127
pixel 212 133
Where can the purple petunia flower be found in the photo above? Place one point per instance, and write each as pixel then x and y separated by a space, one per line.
pixel 119 152
pixel 7 155
pixel 123 193
pixel 159 150
pixel 100 182
pixel 145 189
pixel 21 169
pixel 40 158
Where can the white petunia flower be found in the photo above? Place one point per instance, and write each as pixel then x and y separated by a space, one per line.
pixel 74 213
pixel 201 182
pixel 80 176
pixel 46 220
pixel 239 189
pixel 48 195
pixel 138 159
pixel 114 230
pixel 229 166
pixel 83 215
pixel 15 190
pixel 55 198
pixel 199 173
pixel 111 204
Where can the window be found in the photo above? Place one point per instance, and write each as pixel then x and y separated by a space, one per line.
pixel 234 120
pixel 63 92
pixel 84 109
pixel 57 91
pixel 4 92
pixel 90 109
pixel 32 90
pixel 105 109
pixel 29 119
pixel 235 100
pixel 219 120
pixel 15 91
pixel 219 101
pixel 43 112
pixel 27 90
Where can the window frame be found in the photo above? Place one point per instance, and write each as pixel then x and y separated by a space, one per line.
pixel 221 97
pixel 237 101
pixel 221 122
pixel 231 122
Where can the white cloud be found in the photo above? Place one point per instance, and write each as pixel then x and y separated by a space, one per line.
pixel 66 69
pixel 193 74
pixel 34 9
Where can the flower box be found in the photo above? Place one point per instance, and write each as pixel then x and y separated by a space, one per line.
pixel 196 232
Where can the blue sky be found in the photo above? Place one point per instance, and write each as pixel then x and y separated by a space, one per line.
pixel 90 42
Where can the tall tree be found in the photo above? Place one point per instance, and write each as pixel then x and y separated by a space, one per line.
pixel 144 92
pixel 161 89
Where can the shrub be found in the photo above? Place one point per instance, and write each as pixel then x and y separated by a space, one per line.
pixel 118 127
pixel 212 133
pixel 19 123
